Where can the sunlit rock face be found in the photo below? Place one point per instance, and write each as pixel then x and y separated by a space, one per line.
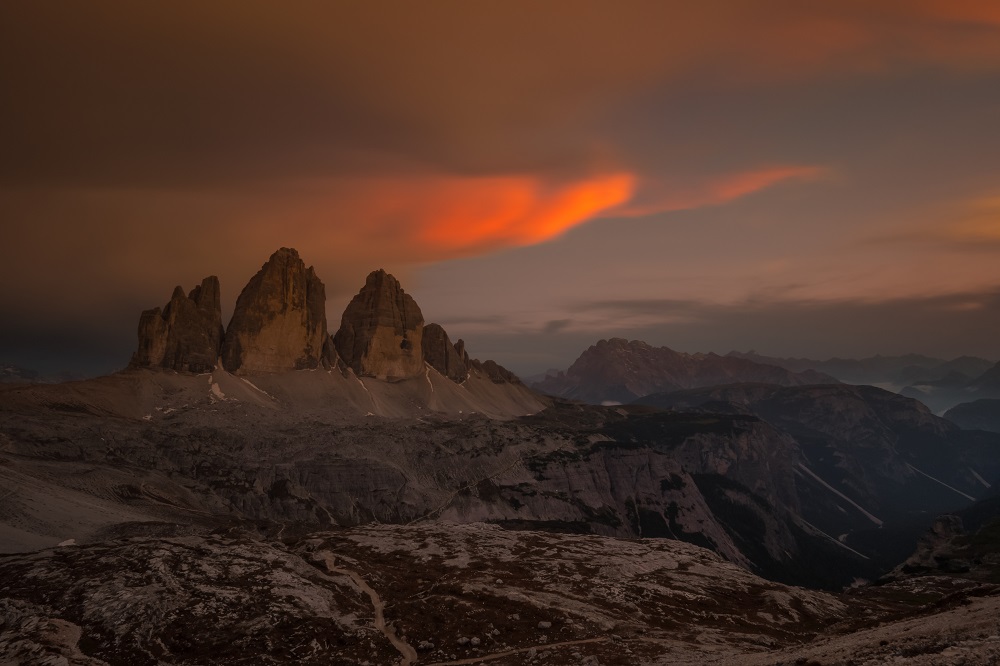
pixel 381 333
pixel 186 334
pixel 279 322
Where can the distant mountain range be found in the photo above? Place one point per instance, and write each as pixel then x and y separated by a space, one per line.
pixel 884 371
pixel 981 414
pixel 13 374
pixel 619 371
pixel 938 383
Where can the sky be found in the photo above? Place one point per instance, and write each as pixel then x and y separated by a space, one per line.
pixel 800 178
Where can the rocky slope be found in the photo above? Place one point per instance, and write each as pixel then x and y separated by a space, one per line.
pixel 618 370
pixel 870 458
pixel 298 447
pixel 279 323
pixel 186 335
pixel 460 594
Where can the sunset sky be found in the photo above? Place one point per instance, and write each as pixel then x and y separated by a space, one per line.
pixel 800 178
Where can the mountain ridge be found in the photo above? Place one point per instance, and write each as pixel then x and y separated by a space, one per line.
pixel 620 370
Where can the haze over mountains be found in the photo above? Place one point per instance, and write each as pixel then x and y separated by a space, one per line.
pixel 938 383
pixel 270 449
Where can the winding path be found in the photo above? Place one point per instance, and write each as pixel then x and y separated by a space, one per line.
pixel 409 655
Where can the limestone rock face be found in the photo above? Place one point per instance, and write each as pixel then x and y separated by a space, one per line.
pixel 442 355
pixel 279 322
pixel 186 334
pixel 381 332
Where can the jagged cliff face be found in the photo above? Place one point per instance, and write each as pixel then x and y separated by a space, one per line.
pixel 381 332
pixel 186 335
pixel 279 323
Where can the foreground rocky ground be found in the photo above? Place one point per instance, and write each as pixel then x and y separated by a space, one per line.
pixel 440 593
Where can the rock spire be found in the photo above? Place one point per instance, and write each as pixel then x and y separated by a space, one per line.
pixel 186 334
pixel 279 322
pixel 381 332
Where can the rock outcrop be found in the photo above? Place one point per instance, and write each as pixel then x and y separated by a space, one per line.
pixel 279 322
pixel 442 355
pixel 452 360
pixel 381 332
pixel 186 334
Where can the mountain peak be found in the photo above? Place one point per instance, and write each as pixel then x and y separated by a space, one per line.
pixel 280 319
pixel 186 334
pixel 381 332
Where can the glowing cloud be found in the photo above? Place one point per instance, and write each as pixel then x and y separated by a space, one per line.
pixel 504 212
pixel 660 197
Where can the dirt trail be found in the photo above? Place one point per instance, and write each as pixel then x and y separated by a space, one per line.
pixel 409 655
pixel 507 653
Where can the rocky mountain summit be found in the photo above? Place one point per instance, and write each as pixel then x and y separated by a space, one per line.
pixel 186 335
pixel 381 332
pixel 619 370
pixel 279 322
pixel 279 326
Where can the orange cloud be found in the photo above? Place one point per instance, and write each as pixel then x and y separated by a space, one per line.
pixel 660 197
pixel 420 218
pixel 980 224
pixel 486 213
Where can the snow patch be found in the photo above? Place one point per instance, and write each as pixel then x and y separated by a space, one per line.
pixel 840 495
pixel 968 497
pixel 257 388
pixel 836 541
pixel 979 478
pixel 217 392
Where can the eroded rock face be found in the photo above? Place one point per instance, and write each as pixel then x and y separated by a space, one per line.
pixel 279 322
pixel 186 335
pixel 452 360
pixel 442 355
pixel 381 332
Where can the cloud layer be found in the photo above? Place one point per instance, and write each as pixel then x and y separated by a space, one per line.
pixel 148 144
